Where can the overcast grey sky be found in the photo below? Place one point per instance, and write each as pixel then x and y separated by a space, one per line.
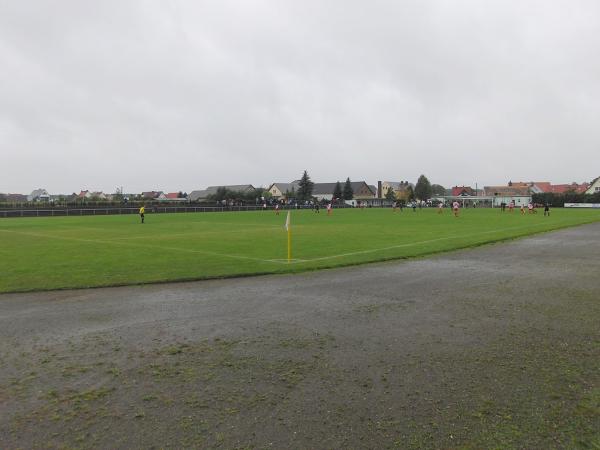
pixel 179 95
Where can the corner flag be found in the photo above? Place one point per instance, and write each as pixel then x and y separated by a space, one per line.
pixel 288 228
pixel 287 222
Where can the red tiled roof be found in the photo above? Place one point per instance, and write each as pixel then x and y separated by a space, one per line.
pixel 506 190
pixel 562 188
pixel 459 190
pixel 545 186
pixel 172 195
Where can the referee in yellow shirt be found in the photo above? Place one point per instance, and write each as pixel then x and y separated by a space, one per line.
pixel 142 211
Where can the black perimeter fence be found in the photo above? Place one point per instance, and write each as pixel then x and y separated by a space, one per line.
pixel 110 210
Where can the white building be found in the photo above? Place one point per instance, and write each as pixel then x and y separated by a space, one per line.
pixel 521 195
pixel 594 187
pixel 38 195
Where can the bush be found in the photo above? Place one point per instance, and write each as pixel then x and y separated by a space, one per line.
pixel 558 200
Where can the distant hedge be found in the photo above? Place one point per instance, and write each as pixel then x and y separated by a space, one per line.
pixel 558 200
pixel 96 204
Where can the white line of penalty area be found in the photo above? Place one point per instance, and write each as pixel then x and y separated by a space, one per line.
pixel 136 245
pixel 412 244
pixel 274 260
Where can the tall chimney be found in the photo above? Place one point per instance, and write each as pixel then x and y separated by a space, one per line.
pixel 379 189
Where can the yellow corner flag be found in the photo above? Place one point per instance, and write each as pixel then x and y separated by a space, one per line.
pixel 288 228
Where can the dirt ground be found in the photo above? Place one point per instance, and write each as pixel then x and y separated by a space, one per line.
pixel 495 347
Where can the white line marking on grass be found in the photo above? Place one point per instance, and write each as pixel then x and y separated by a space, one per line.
pixel 241 224
pixel 192 233
pixel 69 228
pixel 128 244
pixel 275 261
pixel 293 260
pixel 411 244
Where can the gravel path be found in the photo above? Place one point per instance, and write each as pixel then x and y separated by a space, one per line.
pixel 495 346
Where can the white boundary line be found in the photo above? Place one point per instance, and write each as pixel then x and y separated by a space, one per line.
pixel 192 233
pixel 129 244
pixel 276 261
pixel 410 244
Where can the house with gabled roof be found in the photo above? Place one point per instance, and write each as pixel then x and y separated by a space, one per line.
pixel 361 190
pixel 519 193
pixel 97 195
pixel 400 189
pixel 545 187
pixel 463 191
pixel 540 187
pixel 151 195
pixel 323 191
pixel 572 187
pixel 594 187
pixel 172 197
pixel 280 190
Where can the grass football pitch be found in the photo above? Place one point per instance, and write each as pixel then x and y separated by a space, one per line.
pixel 89 251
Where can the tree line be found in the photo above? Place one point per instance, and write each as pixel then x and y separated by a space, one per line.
pixel 558 200
pixel 423 190
pixel 306 187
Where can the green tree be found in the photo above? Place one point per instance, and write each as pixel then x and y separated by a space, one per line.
pixel 437 189
pixel 305 187
pixel 222 194
pixel 348 191
pixel 423 188
pixel 337 190
pixel 259 192
pixel 290 194
pixel 410 193
pixel 390 194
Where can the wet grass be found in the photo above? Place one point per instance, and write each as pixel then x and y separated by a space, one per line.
pixel 78 252
pixel 183 394
pixel 293 388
